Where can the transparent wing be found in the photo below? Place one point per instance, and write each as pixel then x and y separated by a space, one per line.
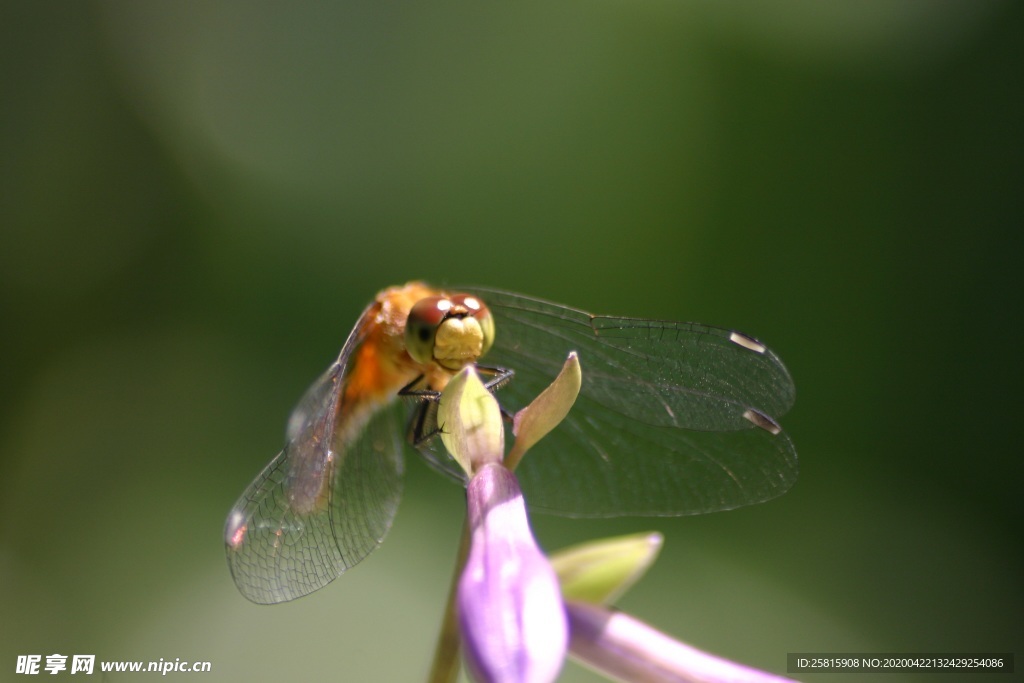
pixel 672 418
pixel 321 505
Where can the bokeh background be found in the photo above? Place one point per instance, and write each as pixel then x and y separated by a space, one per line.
pixel 198 198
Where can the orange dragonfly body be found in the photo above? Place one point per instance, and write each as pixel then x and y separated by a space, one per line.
pixel 672 418
pixel 375 371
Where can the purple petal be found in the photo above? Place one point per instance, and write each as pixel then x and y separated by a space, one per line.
pixel 626 649
pixel 510 607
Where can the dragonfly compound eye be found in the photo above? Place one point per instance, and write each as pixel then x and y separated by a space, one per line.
pixel 421 327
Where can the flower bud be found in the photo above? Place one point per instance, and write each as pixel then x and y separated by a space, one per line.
pixel 510 608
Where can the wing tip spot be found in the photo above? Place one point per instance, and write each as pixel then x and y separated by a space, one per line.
pixel 761 420
pixel 746 342
pixel 234 533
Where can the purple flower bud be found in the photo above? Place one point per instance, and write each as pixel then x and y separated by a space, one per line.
pixel 510 607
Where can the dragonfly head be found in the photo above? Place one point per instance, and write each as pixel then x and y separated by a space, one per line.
pixel 450 331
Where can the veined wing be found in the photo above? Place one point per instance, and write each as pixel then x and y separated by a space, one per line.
pixel 672 418
pixel 325 502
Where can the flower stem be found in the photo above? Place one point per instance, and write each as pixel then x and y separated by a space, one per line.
pixel 446 665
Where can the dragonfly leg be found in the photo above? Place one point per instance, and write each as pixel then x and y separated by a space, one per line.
pixel 423 420
pixel 499 377
pixel 423 423
pixel 425 394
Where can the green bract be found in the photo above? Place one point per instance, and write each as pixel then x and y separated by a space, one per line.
pixel 470 422
pixel 534 421
pixel 470 419
pixel 598 572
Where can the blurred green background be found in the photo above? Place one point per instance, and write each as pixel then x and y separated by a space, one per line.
pixel 198 199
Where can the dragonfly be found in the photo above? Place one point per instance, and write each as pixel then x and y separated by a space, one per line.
pixel 672 419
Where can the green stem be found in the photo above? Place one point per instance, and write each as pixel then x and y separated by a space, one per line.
pixel 445 668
